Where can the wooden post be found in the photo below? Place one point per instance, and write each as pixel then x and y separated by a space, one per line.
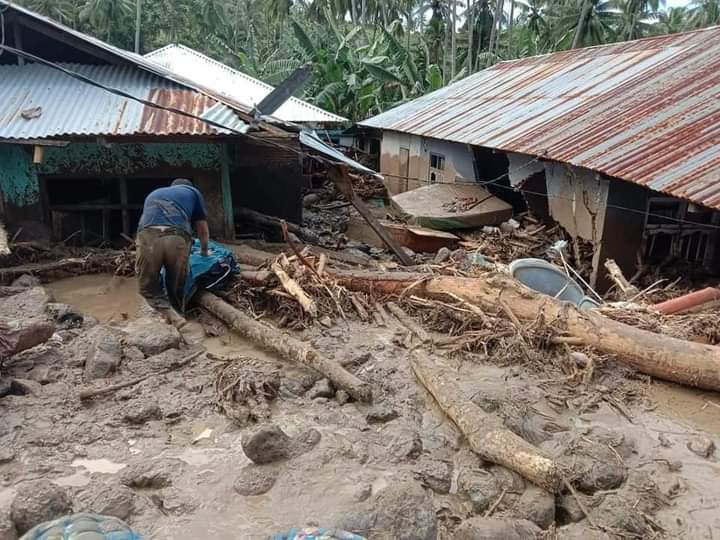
pixel 124 203
pixel 229 217
pixel 339 175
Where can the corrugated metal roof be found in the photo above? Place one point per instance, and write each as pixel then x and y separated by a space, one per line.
pixel 311 140
pixel 37 101
pixel 238 86
pixel 646 111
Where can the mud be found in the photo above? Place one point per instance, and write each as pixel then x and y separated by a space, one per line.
pixel 90 449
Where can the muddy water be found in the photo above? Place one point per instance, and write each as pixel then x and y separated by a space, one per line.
pixel 696 408
pixel 103 296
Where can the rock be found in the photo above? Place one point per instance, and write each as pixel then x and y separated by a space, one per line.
pixel 133 354
pixel 537 505
pixel 151 336
pixel 103 355
pixel 310 199
pixel 381 413
pixel 342 397
pixel 321 389
pixel 267 444
pixel 36 502
pixel 442 255
pixel 434 474
pixel 509 226
pixel 568 510
pixel 479 528
pixel 141 412
pixel 6 455
pixel 26 281
pixel 702 446
pixel 255 480
pixel 480 486
pixel 594 467
pixel 152 474
pixel 25 387
pixel 402 511
pixel 29 304
pixel 107 500
pixel 618 513
pixel 402 442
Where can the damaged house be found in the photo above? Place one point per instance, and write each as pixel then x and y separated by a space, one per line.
pixel 616 143
pixel 87 130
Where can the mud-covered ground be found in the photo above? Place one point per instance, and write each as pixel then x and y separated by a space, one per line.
pixel 163 456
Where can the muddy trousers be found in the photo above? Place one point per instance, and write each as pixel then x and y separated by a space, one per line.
pixel 158 249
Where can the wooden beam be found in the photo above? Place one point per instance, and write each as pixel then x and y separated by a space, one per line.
pixel 124 202
pixel 339 175
pixel 17 38
pixel 227 201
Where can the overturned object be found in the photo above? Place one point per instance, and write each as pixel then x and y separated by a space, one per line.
pixel 435 206
pixel 546 278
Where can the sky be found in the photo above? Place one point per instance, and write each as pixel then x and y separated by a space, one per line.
pixel 676 3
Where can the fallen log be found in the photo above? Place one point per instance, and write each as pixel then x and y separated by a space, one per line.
pixel 664 357
pixel 485 433
pixel 408 322
pixel 273 222
pixel 285 345
pixel 295 290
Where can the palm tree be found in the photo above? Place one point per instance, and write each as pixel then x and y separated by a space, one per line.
pixel 61 10
pixel 107 15
pixel 636 18
pixel 671 21
pixel 704 13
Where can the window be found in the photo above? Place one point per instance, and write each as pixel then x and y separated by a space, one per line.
pixel 437 161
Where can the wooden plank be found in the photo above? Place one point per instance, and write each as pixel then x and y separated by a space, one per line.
pixel 124 202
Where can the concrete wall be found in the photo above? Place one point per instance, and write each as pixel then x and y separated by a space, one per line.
pixel 459 164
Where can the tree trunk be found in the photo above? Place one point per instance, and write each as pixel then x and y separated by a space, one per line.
pixel 138 20
pixel 285 345
pixel 582 23
pixel 484 432
pixel 471 28
pixel 497 25
pixel 661 356
pixel 446 43
pixel 510 28
pixel 453 39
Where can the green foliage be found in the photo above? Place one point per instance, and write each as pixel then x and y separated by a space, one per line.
pixel 369 55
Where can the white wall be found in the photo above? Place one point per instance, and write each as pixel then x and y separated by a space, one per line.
pixel 458 161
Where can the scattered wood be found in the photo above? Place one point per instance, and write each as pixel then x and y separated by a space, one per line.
pixel 285 345
pixel 271 221
pixel 408 322
pixel 94 392
pixel 361 311
pixel 297 292
pixel 484 432
pixel 661 356
pixel 615 274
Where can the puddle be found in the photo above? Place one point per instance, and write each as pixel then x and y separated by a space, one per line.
pixel 697 408
pixel 99 465
pixel 102 296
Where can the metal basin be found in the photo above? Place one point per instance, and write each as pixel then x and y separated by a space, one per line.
pixel 546 278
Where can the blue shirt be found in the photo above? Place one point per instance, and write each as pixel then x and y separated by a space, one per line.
pixel 173 206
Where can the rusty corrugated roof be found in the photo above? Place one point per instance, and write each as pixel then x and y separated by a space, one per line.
pixel 646 111
pixel 39 102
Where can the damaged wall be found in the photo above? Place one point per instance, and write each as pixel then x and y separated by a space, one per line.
pixel 405 161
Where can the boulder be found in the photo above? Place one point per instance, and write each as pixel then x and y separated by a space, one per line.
pixel 434 474
pixel 26 281
pixel 537 505
pixel 701 446
pixel 29 304
pixel 255 480
pixel 442 255
pixel 480 528
pixel 401 442
pixel 151 336
pixel 103 355
pixel 321 389
pixel 36 502
pixel 107 500
pixel 266 444
pixel 481 487
pixel 594 467
pixel 401 511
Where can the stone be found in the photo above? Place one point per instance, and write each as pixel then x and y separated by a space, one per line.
pixel 36 502
pixel 107 500
pixel 151 336
pixel 702 446
pixel 568 510
pixel 342 397
pixel 401 511
pixel 25 387
pixel 619 513
pixel 266 444
pixel 380 413
pixel 537 505
pixel 26 281
pixel 103 355
pixel 442 255
pixel 509 226
pixel 141 412
pixel 29 304
pixel 480 528
pixel 434 474
pixel 6 455
pixel 581 531
pixel 304 442
pixel 310 199
pixel 152 474
pixel 321 389
pixel 594 467
pixel 402 443
pixel 7 527
pixel 255 480
pixel 480 486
